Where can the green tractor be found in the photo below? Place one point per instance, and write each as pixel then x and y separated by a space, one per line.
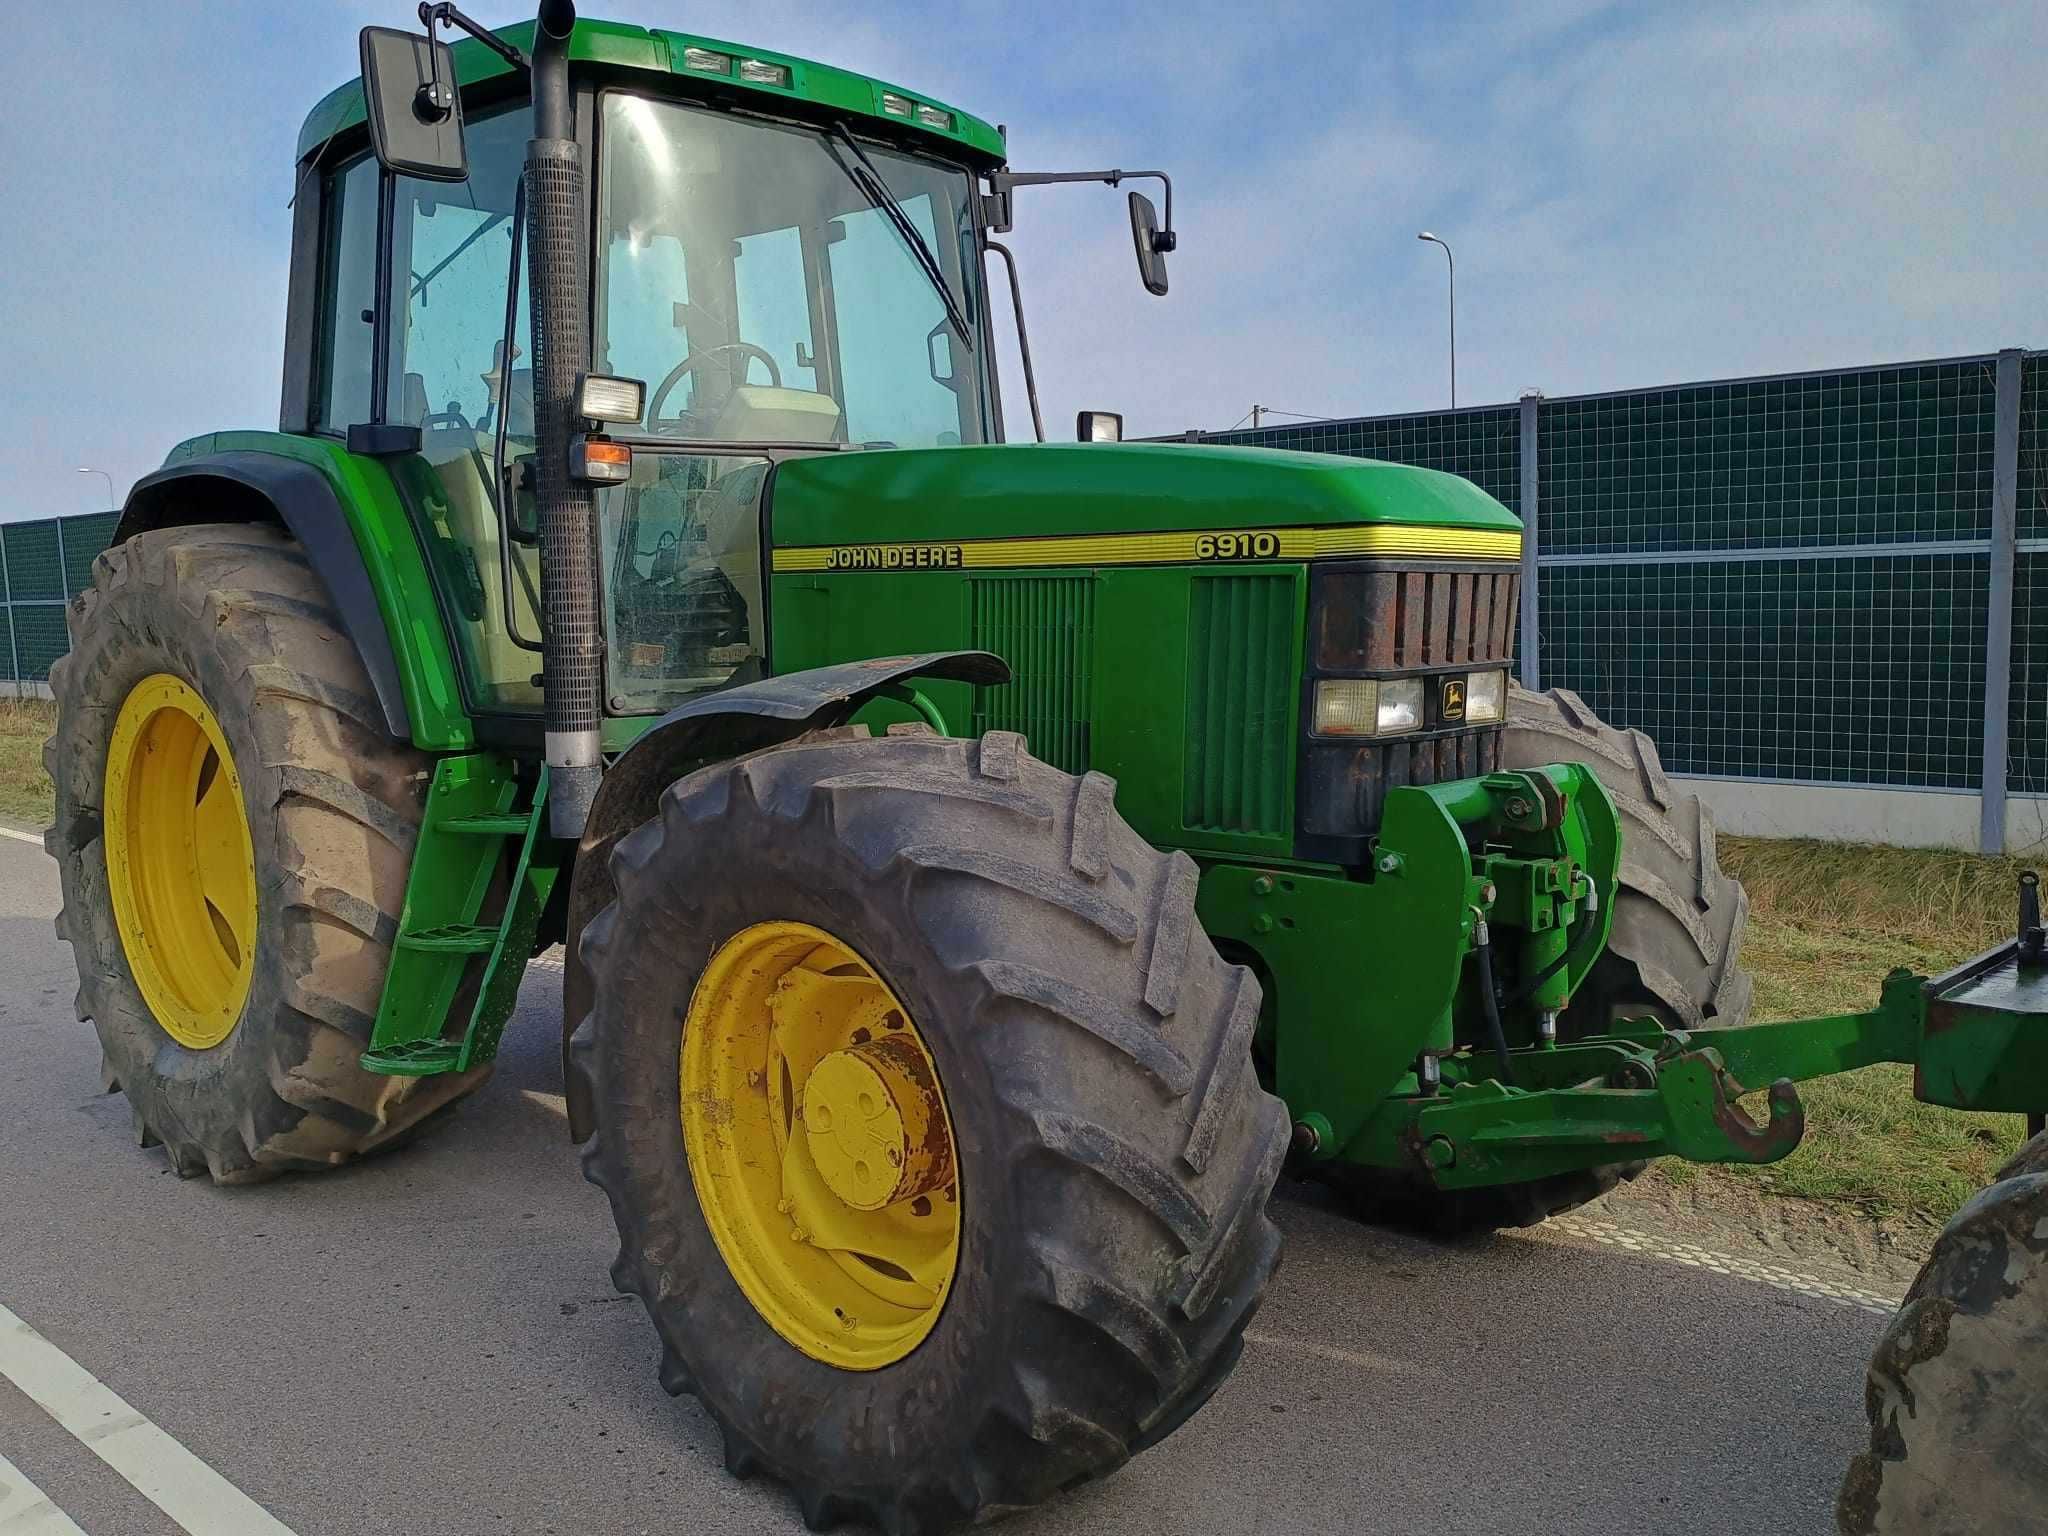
pixel 636 567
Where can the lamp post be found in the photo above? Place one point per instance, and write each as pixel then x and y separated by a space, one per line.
pixel 1452 264
pixel 87 469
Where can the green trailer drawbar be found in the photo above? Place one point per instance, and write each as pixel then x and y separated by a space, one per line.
pixel 983 867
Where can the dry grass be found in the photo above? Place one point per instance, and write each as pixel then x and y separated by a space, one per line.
pixel 1826 922
pixel 25 793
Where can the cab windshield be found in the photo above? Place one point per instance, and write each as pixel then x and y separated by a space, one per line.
pixel 746 275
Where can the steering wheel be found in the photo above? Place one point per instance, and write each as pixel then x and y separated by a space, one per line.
pixel 696 359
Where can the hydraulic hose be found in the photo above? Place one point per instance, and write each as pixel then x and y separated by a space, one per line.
pixel 1482 951
pixel 572 658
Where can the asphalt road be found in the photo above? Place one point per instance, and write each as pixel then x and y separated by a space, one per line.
pixel 428 1344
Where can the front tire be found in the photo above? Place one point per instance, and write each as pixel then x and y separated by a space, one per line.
pixel 1113 1150
pixel 225 634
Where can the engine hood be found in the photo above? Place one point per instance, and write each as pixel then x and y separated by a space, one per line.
pixel 1036 490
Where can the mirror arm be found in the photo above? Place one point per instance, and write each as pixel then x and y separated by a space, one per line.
pixel 448 16
pixel 1001 183
pixel 1023 338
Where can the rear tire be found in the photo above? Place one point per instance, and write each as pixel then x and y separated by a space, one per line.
pixel 332 806
pixel 1957 1382
pixel 1114 1149
pixel 1674 951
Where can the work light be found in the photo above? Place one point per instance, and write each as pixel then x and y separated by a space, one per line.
pixel 705 62
pixel 761 72
pixel 600 397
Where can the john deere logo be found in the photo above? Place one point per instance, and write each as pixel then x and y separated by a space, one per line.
pixel 1454 699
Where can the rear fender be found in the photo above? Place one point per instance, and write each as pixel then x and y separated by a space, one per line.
pixel 244 487
pixel 712 729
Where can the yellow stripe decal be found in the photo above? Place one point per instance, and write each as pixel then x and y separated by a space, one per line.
pixel 1368 540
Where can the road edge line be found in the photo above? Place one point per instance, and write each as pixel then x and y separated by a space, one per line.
pixel 160 1469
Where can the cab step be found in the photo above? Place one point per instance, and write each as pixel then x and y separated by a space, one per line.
pixel 481 875
pixel 452 938
pixel 415 1058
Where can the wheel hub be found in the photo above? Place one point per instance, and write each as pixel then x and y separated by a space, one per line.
pixel 876 1129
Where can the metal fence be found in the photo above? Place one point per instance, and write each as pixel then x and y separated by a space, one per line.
pixel 1835 578
pixel 42 565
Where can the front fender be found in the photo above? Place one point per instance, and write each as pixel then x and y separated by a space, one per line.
pixel 712 729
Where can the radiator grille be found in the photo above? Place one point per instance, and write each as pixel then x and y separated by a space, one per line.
pixel 1044 626
pixel 1424 619
pixel 1240 704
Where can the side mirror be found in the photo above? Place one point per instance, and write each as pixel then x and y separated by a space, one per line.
pixel 1152 245
pixel 1099 426
pixel 414 111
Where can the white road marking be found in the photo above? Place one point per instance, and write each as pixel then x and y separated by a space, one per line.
pixel 1382 1363
pixel 25 1510
pixel 21 837
pixel 1693 1256
pixel 181 1485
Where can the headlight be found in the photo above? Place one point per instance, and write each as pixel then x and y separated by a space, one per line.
pixel 1486 697
pixel 1364 706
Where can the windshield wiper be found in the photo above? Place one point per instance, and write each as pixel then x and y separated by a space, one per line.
pixel 864 175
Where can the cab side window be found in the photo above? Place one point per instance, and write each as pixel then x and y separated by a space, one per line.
pixel 348 281
pixel 452 252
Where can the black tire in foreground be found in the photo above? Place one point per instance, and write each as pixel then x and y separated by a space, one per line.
pixel 1959 1378
pixel 1673 953
pixel 332 807
pixel 1114 1149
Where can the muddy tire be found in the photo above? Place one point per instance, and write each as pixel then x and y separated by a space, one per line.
pixel 1676 944
pixel 1958 1380
pixel 332 806
pixel 1114 1149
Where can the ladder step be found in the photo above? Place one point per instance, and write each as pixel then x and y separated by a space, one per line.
pixel 414 1058
pixel 453 938
pixel 488 826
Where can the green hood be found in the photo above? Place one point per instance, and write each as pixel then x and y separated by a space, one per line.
pixel 1036 489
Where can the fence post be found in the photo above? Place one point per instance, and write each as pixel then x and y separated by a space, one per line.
pixel 2005 479
pixel 13 640
pixel 1532 665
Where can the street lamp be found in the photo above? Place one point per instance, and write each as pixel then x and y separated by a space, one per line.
pixel 1453 265
pixel 87 469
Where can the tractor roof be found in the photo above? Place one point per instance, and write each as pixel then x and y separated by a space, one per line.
pixel 662 53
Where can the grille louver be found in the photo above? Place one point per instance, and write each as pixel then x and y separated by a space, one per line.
pixel 1044 626
pixel 1240 704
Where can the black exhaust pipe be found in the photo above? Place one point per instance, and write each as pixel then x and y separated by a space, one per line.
pixel 572 657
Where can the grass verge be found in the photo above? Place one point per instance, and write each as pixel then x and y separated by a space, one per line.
pixel 25 793
pixel 1826 922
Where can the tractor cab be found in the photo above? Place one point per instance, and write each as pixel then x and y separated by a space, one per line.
pixel 775 258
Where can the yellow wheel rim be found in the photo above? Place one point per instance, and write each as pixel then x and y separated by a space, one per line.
pixel 820 1146
pixel 180 866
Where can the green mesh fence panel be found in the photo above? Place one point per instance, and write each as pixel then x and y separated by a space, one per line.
pixel 1864 670
pixel 33 569
pixel 84 538
pixel 39 638
pixel 1886 455
pixel 2033 466
pixel 1484 444
pixel 7 672
pixel 2027 720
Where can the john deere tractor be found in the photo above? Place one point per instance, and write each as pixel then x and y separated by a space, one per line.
pixel 636 567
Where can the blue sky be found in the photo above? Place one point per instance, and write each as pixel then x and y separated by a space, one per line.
pixel 1637 194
